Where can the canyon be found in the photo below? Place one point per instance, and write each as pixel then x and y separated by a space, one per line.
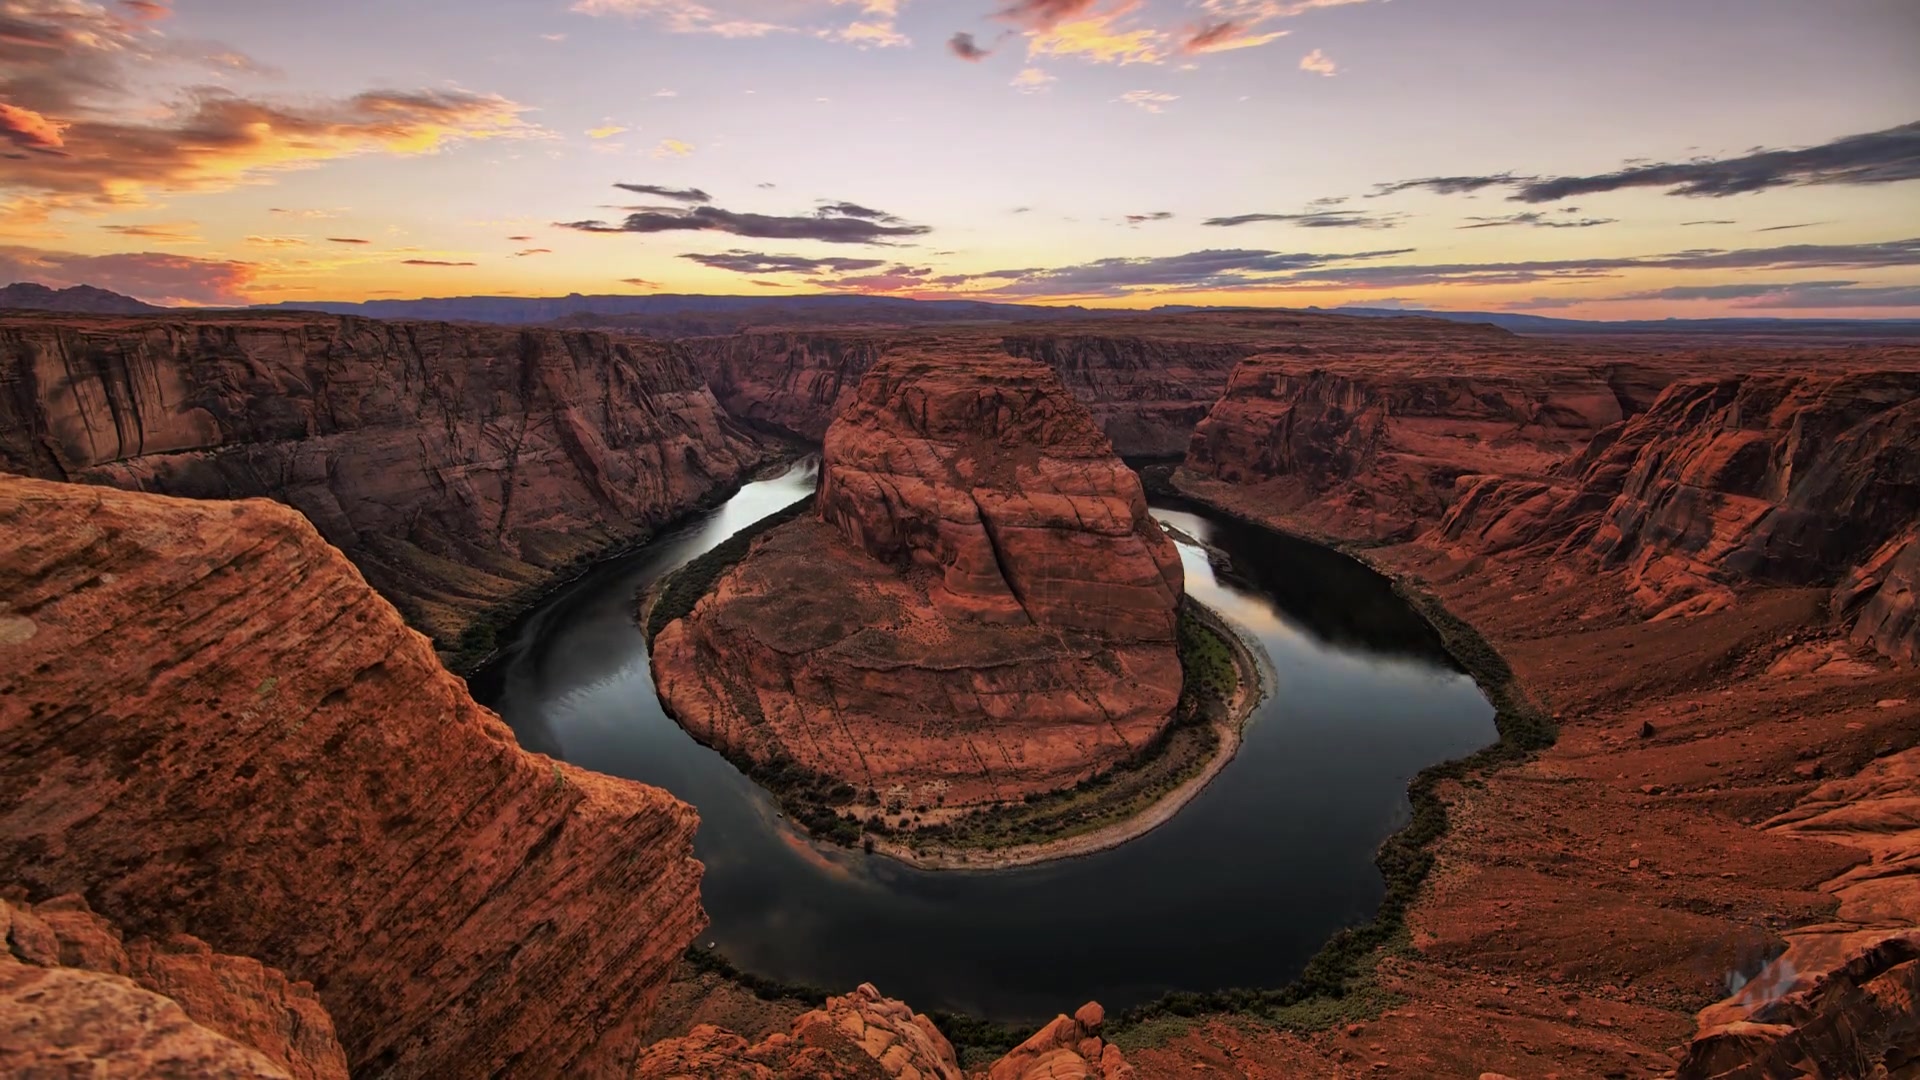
pixel 988 612
pixel 1698 559
pixel 458 466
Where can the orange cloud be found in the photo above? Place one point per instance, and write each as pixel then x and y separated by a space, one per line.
pixel 152 276
pixel 1319 63
pixel 1227 35
pixel 64 67
pixel 1099 36
pixel 24 127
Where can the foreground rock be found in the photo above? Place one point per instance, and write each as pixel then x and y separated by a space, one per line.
pixel 983 607
pixel 457 465
pixel 209 725
pixel 864 1036
pixel 76 997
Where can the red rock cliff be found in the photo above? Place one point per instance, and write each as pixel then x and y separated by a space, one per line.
pixel 455 464
pixel 987 609
pixel 210 725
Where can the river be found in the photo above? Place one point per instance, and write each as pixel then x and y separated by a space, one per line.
pixel 1239 889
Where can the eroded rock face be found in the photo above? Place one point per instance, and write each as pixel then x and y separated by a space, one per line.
pixel 210 725
pixel 1146 392
pixel 790 381
pixel 455 464
pixel 1782 479
pixel 986 610
pixel 75 997
pixel 861 1036
pixel 1381 442
pixel 1069 1048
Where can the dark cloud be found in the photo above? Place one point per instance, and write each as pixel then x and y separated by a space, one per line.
pixel 1833 296
pixel 772 284
pixel 520 239
pixel 1879 157
pixel 965 47
pixel 1778 296
pixel 639 283
pixel 1446 185
pixel 1784 228
pixel 834 223
pixel 1725 292
pixel 347 240
pixel 1042 14
pixel 1537 220
pixel 752 262
pixel 1212 269
pixel 1716 221
pixel 532 251
pixel 1157 215
pixel 1313 219
pixel 150 275
pixel 433 262
pixel 690 195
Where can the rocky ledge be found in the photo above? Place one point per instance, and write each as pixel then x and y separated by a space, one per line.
pixel 981 609
pixel 211 726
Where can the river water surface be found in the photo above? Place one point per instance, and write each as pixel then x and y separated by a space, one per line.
pixel 1239 889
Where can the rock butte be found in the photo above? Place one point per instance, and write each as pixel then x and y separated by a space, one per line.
pixel 1708 581
pixel 983 607
pixel 457 465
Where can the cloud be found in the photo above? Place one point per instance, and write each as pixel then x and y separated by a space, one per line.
pixel 1784 228
pixel 1157 215
pixel 1715 222
pixel 347 240
pixel 1225 35
pixel 673 148
pixel 689 195
pixel 553 37
pixel 1536 220
pixel 152 276
pixel 177 232
pixel 94 119
pixel 663 92
pixel 1152 101
pixel 1075 28
pixel 834 223
pixel 532 251
pixel 433 262
pixel 639 283
pixel 1032 80
pixel 681 17
pixel 751 262
pixel 1773 296
pixel 875 29
pixel 1211 269
pixel 963 46
pixel 30 130
pixel 605 131
pixel 1319 63
pixel 283 212
pixel 1880 157
pixel 1314 219
pixel 277 241
pixel 772 284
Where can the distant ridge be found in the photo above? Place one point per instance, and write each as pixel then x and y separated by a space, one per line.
pixel 78 299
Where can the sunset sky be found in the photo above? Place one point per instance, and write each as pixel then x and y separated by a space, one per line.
pixel 1586 158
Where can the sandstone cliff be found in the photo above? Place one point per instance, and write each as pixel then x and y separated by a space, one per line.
pixel 456 465
pixel 76 997
pixel 984 607
pixel 1147 380
pixel 210 725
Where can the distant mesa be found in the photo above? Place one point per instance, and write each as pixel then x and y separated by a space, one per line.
pixel 981 608
pixel 75 300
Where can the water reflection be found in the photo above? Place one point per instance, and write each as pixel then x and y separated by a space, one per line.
pixel 1238 889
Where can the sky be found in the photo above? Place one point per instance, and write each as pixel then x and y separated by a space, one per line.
pixel 1582 158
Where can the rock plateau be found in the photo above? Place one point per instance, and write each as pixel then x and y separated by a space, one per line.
pixel 982 607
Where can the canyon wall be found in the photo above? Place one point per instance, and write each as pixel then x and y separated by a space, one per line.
pixel 983 607
pixel 457 465
pixel 210 725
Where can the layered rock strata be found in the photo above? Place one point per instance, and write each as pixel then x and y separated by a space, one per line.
pixel 457 465
pixel 209 725
pixel 983 607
